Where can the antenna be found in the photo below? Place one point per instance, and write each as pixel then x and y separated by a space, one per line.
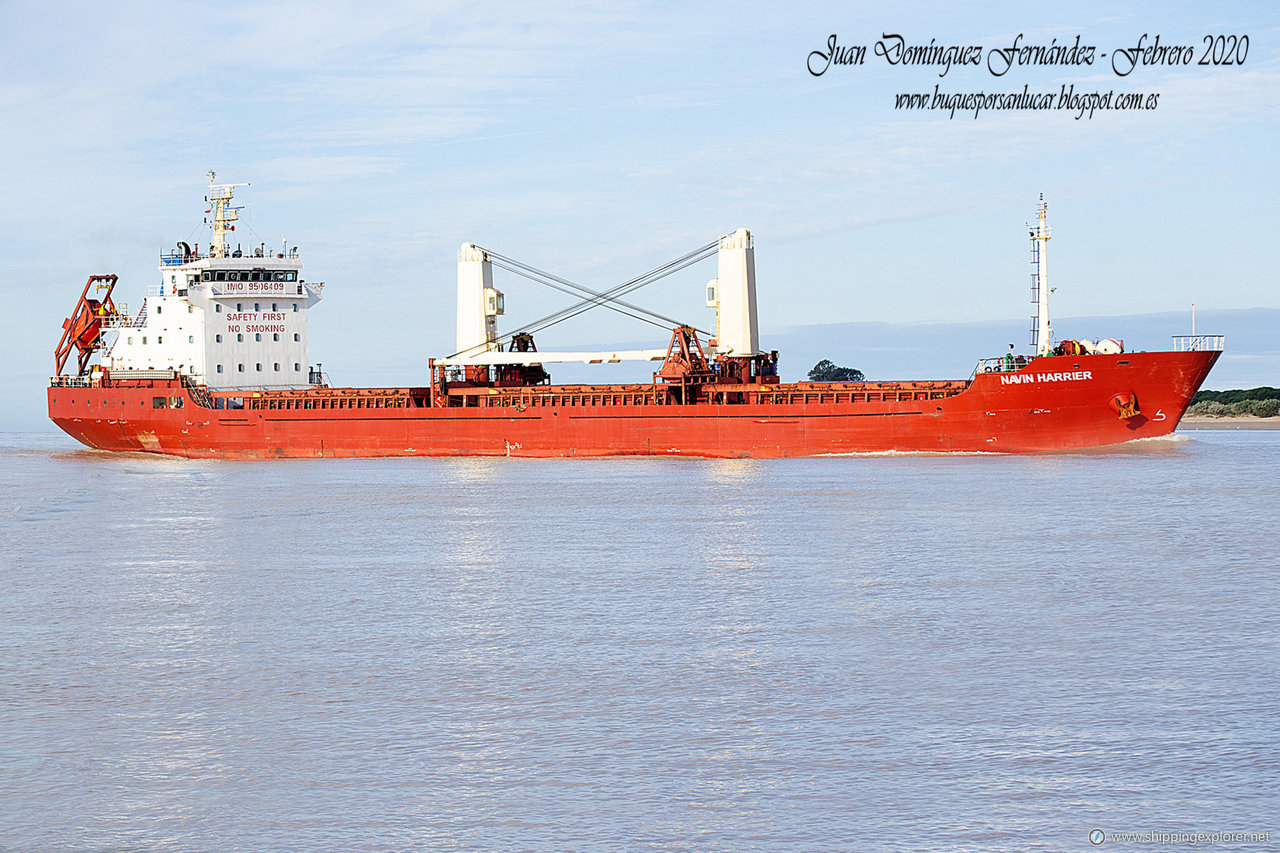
pixel 224 215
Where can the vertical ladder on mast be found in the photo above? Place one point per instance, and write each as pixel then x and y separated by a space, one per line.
pixel 1035 294
pixel 1041 335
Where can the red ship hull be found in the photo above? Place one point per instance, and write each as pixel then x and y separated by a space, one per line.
pixel 1052 404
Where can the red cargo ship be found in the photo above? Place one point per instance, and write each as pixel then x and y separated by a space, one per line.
pixel 212 365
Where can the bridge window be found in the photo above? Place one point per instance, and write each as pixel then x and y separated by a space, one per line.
pixel 293 276
pixel 206 275
pixel 220 275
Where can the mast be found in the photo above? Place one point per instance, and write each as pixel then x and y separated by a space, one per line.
pixel 224 215
pixel 733 294
pixel 1040 234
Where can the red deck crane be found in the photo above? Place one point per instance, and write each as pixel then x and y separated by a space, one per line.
pixel 83 329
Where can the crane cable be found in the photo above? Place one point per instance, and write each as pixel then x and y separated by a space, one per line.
pixel 595 298
pixel 609 298
pixel 577 290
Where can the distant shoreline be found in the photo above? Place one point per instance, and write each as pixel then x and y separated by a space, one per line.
pixel 1228 422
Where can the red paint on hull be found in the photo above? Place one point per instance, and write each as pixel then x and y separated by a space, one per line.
pixel 995 413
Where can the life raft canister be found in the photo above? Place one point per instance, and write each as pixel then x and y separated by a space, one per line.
pixel 1125 405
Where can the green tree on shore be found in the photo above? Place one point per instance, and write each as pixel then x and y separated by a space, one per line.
pixel 827 371
pixel 1263 392
pixel 1265 408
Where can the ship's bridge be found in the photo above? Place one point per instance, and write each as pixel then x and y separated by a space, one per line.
pixel 226 317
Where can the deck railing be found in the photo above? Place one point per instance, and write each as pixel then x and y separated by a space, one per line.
pixel 118 320
pixel 175 258
pixel 1003 364
pixel 1191 343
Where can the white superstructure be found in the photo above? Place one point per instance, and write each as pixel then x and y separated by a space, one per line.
pixel 228 318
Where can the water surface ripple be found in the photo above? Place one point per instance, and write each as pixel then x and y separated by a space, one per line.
pixel 967 653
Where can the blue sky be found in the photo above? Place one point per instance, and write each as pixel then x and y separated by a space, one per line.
pixel 599 141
